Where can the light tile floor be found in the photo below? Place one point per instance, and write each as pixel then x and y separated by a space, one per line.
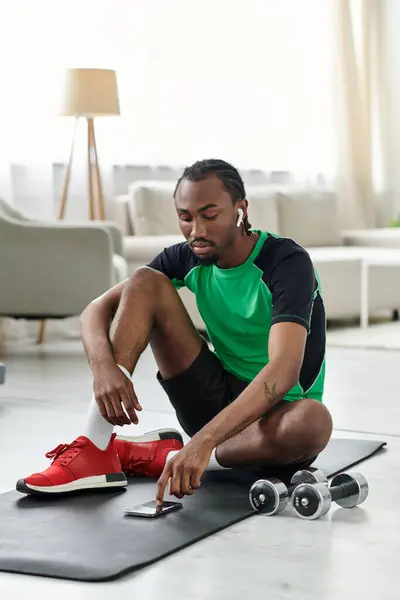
pixel 347 553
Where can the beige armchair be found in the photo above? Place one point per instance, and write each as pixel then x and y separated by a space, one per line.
pixel 54 269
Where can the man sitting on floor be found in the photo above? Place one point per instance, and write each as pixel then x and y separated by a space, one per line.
pixel 256 399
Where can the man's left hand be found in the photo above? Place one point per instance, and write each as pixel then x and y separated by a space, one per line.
pixel 184 470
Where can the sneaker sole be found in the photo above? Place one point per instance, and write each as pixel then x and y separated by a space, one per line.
pixel 153 436
pixel 86 483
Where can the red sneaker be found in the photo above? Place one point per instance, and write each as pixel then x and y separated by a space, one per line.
pixel 77 466
pixel 146 454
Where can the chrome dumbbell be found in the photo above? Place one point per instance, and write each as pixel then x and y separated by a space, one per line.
pixel 311 501
pixel 271 496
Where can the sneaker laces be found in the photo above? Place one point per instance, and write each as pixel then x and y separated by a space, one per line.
pixel 130 463
pixel 134 464
pixel 63 453
pixel 142 458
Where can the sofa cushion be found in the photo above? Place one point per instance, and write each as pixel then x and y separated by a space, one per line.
pixel 263 208
pixel 152 209
pixel 310 216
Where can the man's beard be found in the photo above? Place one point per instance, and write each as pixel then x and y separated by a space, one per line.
pixel 208 261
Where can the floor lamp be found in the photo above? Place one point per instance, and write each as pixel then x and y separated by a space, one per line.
pixel 88 93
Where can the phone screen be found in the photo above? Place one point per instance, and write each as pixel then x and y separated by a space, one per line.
pixel 150 509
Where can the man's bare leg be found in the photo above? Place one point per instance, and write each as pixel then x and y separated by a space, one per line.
pixel 294 432
pixel 151 311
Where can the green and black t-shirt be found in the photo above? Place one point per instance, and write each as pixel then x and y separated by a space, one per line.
pixel 277 283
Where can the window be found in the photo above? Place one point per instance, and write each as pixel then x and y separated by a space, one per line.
pixel 247 81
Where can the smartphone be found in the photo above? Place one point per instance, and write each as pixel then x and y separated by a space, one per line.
pixel 151 510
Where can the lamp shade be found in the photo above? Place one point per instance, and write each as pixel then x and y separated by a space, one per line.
pixel 90 93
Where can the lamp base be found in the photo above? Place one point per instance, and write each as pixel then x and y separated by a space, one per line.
pixel 96 199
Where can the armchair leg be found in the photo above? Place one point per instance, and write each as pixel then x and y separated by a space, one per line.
pixel 40 335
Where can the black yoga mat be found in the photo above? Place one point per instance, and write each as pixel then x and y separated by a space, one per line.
pixel 84 536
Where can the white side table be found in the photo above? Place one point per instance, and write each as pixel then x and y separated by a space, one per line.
pixel 383 259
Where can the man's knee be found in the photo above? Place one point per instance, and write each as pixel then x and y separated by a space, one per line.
pixel 153 285
pixel 305 428
pixel 316 427
pixel 146 276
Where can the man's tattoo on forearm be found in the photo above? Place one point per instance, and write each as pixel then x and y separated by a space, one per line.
pixel 242 425
pixel 270 393
pixel 272 398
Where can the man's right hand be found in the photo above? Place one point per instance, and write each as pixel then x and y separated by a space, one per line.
pixel 113 391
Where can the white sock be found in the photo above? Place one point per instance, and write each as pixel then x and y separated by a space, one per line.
pixel 97 429
pixel 213 465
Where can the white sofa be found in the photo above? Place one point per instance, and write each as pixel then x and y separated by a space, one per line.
pixel 148 219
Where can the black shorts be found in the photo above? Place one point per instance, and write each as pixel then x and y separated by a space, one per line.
pixel 202 391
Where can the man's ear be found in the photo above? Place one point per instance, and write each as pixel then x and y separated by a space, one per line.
pixel 243 204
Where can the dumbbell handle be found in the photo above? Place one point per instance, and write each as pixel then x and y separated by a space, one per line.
pixel 307 477
pixel 292 486
pixel 344 490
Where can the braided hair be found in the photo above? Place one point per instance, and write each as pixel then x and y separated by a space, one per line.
pixel 226 173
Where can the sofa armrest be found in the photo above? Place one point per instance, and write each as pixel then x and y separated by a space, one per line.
pixel 52 271
pixel 384 237
pixel 119 212
pixel 113 229
pixel 116 236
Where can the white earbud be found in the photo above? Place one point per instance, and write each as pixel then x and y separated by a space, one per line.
pixel 240 218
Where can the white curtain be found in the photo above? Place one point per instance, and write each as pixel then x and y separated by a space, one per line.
pixel 250 82
pixel 360 111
